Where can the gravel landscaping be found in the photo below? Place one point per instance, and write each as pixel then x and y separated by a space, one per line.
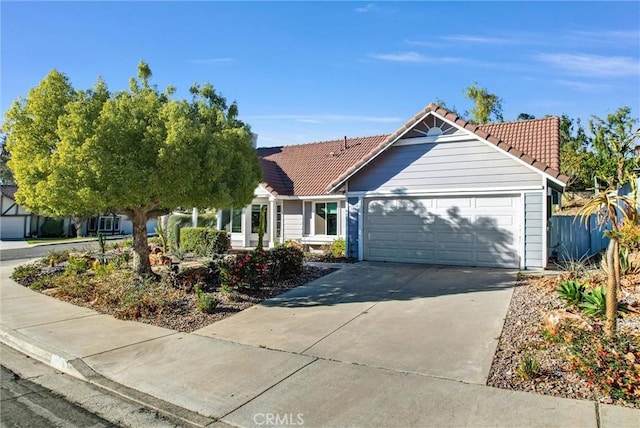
pixel 523 334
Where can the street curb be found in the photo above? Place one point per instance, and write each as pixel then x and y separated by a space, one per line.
pixel 77 368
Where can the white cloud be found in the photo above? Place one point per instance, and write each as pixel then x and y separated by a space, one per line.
pixel 321 118
pixel 425 43
pixel 583 86
pixel 364 9
pixel 467 38
pixel 611 37
pixel 210 60
pixel 592 65
pixel 414 57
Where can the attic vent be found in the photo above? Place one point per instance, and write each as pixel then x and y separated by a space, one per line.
pixel 434 132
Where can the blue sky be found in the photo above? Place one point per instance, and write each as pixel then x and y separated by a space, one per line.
pixel 312 71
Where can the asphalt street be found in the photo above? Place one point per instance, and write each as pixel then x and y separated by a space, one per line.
pixel 26 404
pixel 42 250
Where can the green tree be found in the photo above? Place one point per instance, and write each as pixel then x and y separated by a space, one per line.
pixel 577 160
pixel 525 116
pixel 613 139
pixel 136 152
pixel 6 175
pixel 487 106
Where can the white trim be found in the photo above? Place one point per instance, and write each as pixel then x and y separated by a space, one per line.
pixel 445 192
pixel 545 228
pixel 313 222
pixel 330 197
pixel 475 136
pixel 360 228
pixel 523 230
pixel 262 192
pixel 432 140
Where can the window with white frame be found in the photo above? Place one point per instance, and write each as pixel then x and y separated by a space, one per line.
pixel 255 217
pixel 232 220
pixel 326 218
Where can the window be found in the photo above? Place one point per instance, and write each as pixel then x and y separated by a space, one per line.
pixel 232 220
pixel 105 223
pixel 255 218
pixel 326 218
pixel 116 223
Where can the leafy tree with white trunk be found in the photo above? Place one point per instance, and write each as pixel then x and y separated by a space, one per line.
pixel 137 152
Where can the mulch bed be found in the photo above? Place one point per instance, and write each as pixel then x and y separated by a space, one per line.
pixel 186 318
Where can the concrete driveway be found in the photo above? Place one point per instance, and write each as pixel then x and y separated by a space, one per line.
pixel 437 321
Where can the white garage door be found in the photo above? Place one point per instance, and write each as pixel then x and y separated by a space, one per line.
pixel 467 231
pixel 12 227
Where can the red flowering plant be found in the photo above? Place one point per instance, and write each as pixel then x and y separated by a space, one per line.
pixel 245 270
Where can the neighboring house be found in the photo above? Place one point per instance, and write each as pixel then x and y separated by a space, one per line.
pixel 439 190
pixel 16 222
pixel 115 224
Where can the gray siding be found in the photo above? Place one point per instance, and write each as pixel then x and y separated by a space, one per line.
pixel 461 164
pixel 292 219
pixel 533 222
pixel 353 206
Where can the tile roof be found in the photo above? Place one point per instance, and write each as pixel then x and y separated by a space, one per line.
pixel 537 137
pixel 315 168
pixel 307 169
pixel 9 190
pixel 510 147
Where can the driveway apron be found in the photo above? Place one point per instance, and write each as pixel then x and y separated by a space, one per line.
pixel 438 321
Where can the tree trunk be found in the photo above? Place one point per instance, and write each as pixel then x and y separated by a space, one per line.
pixel 616 265
pixel 611 297
pixel 78 223
pixel 141 263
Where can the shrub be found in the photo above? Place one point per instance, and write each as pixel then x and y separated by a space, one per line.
pixel 76 265
pixel 44 282
pixel 338 248
pixel 528 367
pixel 609 364
pixel 54 257
pixel 571 291
pixel 127 243
pixel 52 228
pixel 175 223
pixel 248 270
pixel 22 272
pixel 205 302
pixel 103 269
pixel 629 235
pixel 285 262
pixel 595 302
pixel 204 241
pixel 209 220
pixel 121 260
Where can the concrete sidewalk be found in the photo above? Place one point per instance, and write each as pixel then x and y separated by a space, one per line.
pixel 207 381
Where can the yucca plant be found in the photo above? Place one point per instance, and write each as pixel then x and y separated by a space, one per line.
pixel 609 206
pixel 528 367
pixel 571 291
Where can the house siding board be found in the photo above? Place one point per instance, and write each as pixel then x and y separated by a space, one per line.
pixel 466 164
pixel 292 219
pixel 353 207
pixel 533 220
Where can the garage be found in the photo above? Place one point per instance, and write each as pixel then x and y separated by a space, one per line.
pixel 13 227
pixel 451 230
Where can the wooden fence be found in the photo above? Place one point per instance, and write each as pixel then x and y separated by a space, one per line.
pixel 572 239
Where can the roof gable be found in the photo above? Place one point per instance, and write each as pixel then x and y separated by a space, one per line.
pixel 9 190
pixel 515 130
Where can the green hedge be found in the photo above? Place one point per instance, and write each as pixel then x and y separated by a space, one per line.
pixel 179 221
pixel 52 228
pixel 204 240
